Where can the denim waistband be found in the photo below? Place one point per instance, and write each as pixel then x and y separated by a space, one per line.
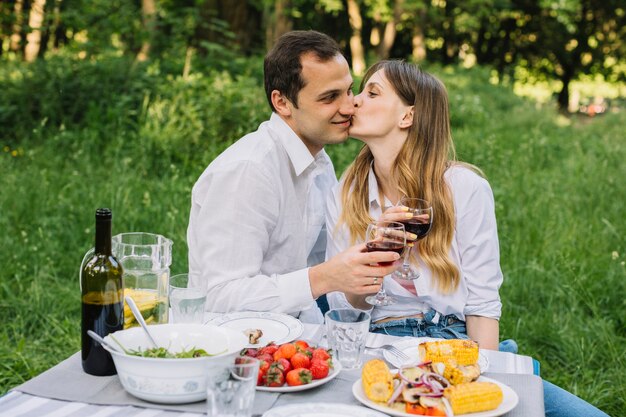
pixel 432 324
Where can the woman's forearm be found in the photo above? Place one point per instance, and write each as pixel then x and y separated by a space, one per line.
pixel 484 330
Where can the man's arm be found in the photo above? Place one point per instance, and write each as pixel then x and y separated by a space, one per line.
pixel 234 212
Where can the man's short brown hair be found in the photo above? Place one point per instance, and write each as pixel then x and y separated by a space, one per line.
pixel 283 68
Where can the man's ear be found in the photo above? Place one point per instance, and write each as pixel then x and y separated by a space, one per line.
pixel 407 118
pixel 281 104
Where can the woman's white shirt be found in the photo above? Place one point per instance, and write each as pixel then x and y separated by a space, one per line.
pixel 474 249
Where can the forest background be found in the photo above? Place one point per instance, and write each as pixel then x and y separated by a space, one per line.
pixel 123 103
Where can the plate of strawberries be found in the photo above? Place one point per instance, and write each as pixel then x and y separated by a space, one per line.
pixel 294 366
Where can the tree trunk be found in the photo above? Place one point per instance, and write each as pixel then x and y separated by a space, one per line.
pixel 450 45
pixel 204 30
pixel 242 20
pixel 148 18
pixel 480 49
pixel 563 98
pixel 418 39
pixel 375 34
pixel 58 29
pixel 33 39
pixel 16 36
pixel 278 22
pixel 45 32
pixel 356 41
pixel 389 36
pixel 187 66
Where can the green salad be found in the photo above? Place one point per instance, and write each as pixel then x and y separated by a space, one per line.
pixel 162 352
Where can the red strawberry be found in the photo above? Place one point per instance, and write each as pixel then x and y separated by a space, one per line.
pixel 249 352
pixel 285 365
pixel 319 368
pixel 286 351
pixel 270 349
pixel 299 376
pixel 300 360
pixel 321 353
pixel 263 368
pixel 265 357
pixel 301 345
pixel 274 376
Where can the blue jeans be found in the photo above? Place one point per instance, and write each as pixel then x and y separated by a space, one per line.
pixel 557 401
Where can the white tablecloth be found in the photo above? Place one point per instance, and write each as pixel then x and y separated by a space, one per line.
pixel 65 390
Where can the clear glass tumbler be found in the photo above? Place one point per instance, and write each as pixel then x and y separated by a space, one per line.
pixel 186 302
pixel 231 386
pixel 347 331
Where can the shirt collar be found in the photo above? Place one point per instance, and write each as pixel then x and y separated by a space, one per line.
pixel 298 153
pixel 374 194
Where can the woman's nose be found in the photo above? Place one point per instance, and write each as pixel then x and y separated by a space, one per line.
pixel 357 100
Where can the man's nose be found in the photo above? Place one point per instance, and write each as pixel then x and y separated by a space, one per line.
pixel 347 106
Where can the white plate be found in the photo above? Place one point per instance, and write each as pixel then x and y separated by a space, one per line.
pixel 509 401
pixel 315 383
pixel 409 347
pixel 276 327
pixel 322 410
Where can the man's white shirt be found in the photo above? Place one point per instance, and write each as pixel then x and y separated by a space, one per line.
pixel 257 223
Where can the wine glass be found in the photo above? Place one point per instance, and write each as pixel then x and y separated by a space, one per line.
pixel 384 236
pixel 419 224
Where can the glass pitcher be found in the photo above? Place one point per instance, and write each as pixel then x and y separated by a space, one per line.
pixel 146 259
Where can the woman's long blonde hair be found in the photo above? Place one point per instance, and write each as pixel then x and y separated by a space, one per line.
pixel 418 170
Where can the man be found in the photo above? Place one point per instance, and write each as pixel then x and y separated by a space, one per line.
pixel 257 214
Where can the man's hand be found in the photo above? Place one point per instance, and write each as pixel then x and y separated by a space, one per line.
pixel 353 271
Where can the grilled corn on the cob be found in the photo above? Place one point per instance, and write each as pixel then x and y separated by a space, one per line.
pixel 473 397
pixel 377 380
pixel 461 374
pixel 461 352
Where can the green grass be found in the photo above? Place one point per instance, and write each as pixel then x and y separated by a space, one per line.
pixel 139 146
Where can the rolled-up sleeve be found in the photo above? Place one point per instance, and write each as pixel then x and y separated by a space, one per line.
pixel 477 239
pixel 234 212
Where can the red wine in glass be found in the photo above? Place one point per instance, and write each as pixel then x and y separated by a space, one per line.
pixel 417 227
pixel 396 247
pixel 384 236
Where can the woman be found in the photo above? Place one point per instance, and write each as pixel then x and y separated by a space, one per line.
pixel 402 117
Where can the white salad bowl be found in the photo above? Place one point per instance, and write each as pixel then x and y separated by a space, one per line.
pixel 173 381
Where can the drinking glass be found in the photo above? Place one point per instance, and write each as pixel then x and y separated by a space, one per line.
pixel 186 301
pixel 230 387
pixel 347 330
pixel 384 236
pixel 420 224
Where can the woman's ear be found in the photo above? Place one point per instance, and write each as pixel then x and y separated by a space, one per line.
pixel 281 103
pixel 407 118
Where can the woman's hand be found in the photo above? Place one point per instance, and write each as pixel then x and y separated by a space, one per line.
pixel 400 214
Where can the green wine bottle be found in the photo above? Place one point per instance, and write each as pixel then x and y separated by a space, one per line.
pixel 102 293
